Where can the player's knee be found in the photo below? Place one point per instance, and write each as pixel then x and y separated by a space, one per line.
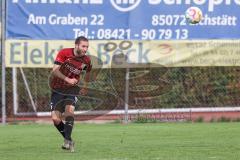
pixel 69 109
pixel 56 120
pixel 69 120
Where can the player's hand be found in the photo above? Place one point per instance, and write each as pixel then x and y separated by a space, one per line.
pixel 71 81
pixel 83 91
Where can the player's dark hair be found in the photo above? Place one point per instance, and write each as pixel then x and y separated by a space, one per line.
pixel 79 39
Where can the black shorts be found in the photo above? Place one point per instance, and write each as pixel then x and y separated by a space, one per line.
pixel 60 100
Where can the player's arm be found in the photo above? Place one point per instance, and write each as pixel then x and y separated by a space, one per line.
pixel 56 72
pixel 86 79
pixel 60 59
pixel 84 90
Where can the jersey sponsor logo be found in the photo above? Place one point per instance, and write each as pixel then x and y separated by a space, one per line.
pixel 72 69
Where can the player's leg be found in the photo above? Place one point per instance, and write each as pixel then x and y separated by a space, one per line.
pixel 57 108
pixel 69 121
pixel 57 121
pixel 68 127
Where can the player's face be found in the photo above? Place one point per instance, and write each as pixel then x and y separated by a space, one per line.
pixel 81 48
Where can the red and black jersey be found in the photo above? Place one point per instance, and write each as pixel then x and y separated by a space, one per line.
pixel 71 66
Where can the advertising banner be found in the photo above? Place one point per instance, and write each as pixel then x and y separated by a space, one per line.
pixel 121 19
pixel 122 54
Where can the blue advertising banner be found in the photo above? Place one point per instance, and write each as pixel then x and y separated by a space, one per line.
pixel 121 19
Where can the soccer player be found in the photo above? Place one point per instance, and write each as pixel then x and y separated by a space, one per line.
pixel 68 65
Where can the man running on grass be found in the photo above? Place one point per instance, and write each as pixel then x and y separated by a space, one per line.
pixel 68 65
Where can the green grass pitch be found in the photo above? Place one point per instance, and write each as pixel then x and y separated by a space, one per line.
pixel 159 141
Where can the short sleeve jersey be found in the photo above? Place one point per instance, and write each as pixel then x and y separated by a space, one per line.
pixel 71 66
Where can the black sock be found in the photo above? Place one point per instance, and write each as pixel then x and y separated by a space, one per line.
pixel 60 128
pixel 68 127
